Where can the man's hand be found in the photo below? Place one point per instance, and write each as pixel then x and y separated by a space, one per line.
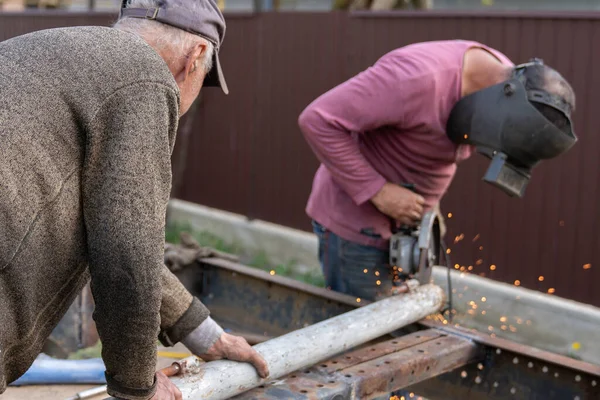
pixel 165 389
pixel 399 203
pixel 236 348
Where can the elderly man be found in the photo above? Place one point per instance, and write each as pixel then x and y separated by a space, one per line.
pixel 88 117
pixel 409 120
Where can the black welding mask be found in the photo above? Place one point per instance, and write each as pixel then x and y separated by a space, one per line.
pixel 504 125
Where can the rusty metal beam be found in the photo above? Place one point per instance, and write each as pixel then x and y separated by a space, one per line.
pixel 419 363
pixel 220 279
pixel 245 298
pixel 375 370
pixel 517 348
pixel 303 348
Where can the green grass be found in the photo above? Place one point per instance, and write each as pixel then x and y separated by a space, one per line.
pixel 258 260
pixel 261 261
pixel 206 239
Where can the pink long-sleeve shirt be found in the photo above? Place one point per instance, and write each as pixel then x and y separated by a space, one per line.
pixel 386 124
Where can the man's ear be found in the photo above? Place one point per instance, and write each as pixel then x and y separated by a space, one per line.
pixel 192 62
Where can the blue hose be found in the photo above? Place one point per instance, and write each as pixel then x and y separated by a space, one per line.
pixel 47 370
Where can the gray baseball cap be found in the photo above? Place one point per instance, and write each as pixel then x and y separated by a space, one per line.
pixel 203 19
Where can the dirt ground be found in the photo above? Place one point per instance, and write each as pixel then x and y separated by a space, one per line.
pixel 62 392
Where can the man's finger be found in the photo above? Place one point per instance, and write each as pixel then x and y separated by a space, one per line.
pixel 416 216
pixel 259 363
pixel 406 220
pixel 248 354
pixel 207 358
pixel 419 208
pixel 178 395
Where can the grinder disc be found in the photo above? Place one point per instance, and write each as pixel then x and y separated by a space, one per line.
pixel 429 247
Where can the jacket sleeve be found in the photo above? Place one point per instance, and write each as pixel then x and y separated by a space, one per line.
pixel 126 185
pixel 180 312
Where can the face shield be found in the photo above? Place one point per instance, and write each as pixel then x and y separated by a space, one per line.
pixel 503 124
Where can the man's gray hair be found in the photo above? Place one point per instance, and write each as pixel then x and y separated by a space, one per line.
pixel 162 36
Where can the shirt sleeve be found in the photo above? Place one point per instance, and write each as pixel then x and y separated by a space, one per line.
pixel 126 186
pixel 384 94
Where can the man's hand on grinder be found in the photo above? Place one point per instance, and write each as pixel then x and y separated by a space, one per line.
pixel 236 348
pixel 399 203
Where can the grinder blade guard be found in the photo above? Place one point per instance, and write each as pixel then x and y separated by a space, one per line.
pixel 415 250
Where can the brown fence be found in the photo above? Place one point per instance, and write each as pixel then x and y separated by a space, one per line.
pixel 244 152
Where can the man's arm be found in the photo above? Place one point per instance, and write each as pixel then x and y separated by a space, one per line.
pixel 185 319
pixel 181 314
pixel 384 94
pixel 126 185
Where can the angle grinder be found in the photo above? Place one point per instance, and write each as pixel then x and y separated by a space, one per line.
pixel 414 250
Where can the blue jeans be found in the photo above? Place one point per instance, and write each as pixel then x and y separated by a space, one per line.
pixel 356 269
pixel 352 268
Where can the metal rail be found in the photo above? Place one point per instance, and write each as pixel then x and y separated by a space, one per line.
pixel 245 298
pixel 375 370
pixel 315 343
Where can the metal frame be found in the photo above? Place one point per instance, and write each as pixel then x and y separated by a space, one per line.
pixel 247 299
pixel 375 370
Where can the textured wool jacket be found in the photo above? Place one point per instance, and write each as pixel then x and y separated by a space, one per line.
pixel 88 117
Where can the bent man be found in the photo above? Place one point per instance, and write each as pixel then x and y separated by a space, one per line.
pixel 391 126
pixel 88 118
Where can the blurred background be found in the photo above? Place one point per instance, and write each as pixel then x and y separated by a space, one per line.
pixel 325 5
pixel 244 153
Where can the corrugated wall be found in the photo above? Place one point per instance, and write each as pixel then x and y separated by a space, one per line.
pixel 244 152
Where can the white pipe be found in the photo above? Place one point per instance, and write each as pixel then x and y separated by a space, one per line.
pixel 305 347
